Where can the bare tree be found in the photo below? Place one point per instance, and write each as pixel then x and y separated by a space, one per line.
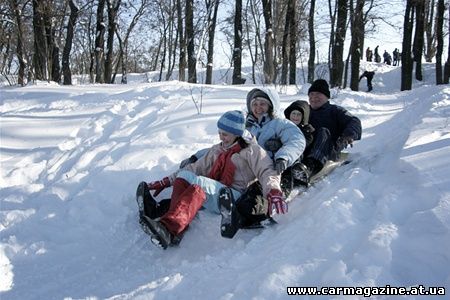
pixel 211 32
pixel 289 41
pixel 139 11
pixel 100 42
pixel 357 32
pixel 312 42
pixel 430 30
pixel 293 44
pixel 440 40
pixel 337 63
pixel 192 61
pixel 252 18
pixel 237 50
pixel 418 43
pixel 447 64
pixel 407 62
pixel 182 41
pixel 112 9
pixel 67 74
pixel 269 61
pixel 17 10
pixel 40 42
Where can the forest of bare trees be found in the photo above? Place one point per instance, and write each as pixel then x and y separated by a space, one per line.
pixel 52 40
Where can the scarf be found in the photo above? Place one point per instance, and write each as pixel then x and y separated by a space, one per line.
pixel 223 168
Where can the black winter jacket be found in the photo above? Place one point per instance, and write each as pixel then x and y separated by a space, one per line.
pixel 338 120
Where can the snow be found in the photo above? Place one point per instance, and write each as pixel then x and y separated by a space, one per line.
pixel 71 159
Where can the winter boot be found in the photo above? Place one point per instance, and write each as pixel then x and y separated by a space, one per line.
pixel 230 222
pixel 287 182
pixel 301 174
pixel 160 236
pixel 146 203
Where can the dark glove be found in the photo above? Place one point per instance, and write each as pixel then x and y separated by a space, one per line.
pixel 280 165
pixel 308 128
pixel 277 205
pixel 273 145
pixel 343 142
pixel 188 161
pixel 159 186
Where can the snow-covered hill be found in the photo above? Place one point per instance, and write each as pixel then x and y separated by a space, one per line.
pixel 71 158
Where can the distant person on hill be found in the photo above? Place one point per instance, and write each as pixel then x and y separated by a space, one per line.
pixel 369 54
pixel 335 129
pixel 369 76
pixel 396 56
pixel 387 58
pixel 377 55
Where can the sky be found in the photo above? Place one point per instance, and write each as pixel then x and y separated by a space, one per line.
pixel 72 157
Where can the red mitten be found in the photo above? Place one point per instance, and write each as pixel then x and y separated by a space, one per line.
pixel 277 205
pixel 159 185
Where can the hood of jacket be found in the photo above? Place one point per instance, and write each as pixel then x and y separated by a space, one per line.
pixel 300 105
pixel 272 95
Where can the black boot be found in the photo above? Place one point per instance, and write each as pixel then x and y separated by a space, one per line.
pixel 287 182
pixel 229 224
pixel 160 236
pixel 302 172
pixel 147 205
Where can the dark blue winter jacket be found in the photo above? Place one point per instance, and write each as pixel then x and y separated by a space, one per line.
pixel 338 120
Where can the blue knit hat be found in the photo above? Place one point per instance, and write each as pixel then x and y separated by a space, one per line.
pixel 233 122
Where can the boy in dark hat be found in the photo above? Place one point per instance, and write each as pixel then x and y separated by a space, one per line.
pixel 335 129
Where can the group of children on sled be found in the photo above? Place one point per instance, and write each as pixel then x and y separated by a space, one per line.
pixel 248 175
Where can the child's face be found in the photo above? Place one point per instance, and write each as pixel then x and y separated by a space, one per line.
pixel 226 138
pixel 296 116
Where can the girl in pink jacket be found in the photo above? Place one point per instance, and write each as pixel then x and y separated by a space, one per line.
pixel 233 163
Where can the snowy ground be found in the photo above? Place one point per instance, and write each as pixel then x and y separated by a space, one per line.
pixel 71 158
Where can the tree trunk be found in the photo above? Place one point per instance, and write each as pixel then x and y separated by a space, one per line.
pixel 407 62
pixel 430 47
pixel 192 62
pixel 253 42
pixel 269 67
pixel 286 48
pixel 440 40
pixel 237 49
pixel 447 64
pixel 211 32
pixel 357 37
pixel 40 42
pixel 418 39
pixel 112 9
pixel 20 51
pixel 100 43
pixel 312 43
pixel 182 58
pixel 67 74
pixel 337 63
pixel 293 43
pixel 54 68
